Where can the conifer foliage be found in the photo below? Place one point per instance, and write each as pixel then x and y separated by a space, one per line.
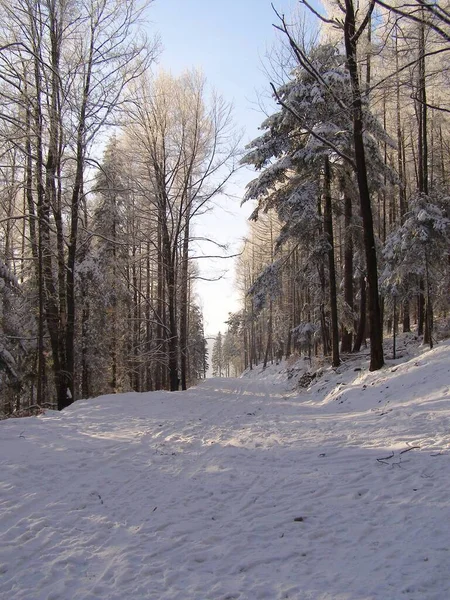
pixel 353 180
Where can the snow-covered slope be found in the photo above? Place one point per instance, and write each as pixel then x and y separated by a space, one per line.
pixel 237 489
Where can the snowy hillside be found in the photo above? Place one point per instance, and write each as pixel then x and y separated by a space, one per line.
pixel 235 490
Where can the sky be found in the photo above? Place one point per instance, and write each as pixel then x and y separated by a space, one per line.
pixel 227 40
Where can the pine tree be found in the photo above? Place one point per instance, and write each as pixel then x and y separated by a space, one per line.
pixel 308 147
pixel 217 357
pixel 413 254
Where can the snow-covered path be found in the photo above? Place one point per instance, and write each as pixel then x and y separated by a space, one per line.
pixel 235 490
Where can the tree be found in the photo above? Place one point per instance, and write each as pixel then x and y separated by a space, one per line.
pixel 11 378
pixel 68 65
pixel 102 291
pixel 351 34
pixel 217 356
pixel 187 154
pixel 434 16
pixel 197 356
pixel 309 140
pixel 414 253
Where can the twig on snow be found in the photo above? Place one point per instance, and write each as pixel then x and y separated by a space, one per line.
pixel 409 449
pixel 385 458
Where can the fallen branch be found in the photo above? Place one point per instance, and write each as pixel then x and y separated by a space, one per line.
pixel 385 458
pixel 409 449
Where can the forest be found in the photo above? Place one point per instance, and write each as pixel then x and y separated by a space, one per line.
pixel 107 163
pixel 349 238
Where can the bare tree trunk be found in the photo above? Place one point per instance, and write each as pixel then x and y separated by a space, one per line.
pixel 36 252
pixel 328 229
pixel 169 261
pixel 322 279
pixel 47 289
pixel 85 316
pixel 360 332
pixel 77 193
pixel 148 326
pixel 426 312
pixel 347 336
pixel 269 336
pixel 376 331
pixel 184 302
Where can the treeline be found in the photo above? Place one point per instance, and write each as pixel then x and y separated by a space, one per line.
pixel 350 236
pixel 104 169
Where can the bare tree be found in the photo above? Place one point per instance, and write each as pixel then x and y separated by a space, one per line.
pixel 187 153
pixel 69 64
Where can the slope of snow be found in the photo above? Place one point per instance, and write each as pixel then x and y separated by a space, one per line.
pixel 235 490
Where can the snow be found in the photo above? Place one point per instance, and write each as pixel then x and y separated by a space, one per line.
pixel 237 489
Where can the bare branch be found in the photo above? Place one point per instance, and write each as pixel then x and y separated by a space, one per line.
pixel 365 21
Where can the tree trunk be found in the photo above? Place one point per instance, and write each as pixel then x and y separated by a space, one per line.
pixel 169 259
pixel 428 334
pixel 160 308
pixel 269 337
pixel 360 332
pixel 376 331
pixel 85 315
pixel 328 229
pixel 184 302
pixel 347 336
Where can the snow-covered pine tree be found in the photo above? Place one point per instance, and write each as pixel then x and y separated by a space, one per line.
pixel 307 147
pixel 217 356
pixel 104 297
pixel 197 353
pixel 416 252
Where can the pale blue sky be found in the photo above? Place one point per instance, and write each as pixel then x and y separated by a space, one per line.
pixel 224 37
pixel 227 40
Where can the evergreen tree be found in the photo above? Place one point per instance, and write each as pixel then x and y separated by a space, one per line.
pixel 307 146
pixel 217 357
pixel 197 353
pixel 414 252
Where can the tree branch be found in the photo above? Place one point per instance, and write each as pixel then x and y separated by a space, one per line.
pixel 365 22
pixel 327 143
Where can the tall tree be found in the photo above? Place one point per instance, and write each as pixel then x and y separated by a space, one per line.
pixel 187 155
pixel 217 359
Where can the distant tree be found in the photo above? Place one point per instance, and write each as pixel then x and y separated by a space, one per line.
pixel 197 355
pixel 217 356
pixel 231 353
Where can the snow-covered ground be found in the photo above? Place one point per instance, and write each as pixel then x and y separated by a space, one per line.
pixel 237 489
